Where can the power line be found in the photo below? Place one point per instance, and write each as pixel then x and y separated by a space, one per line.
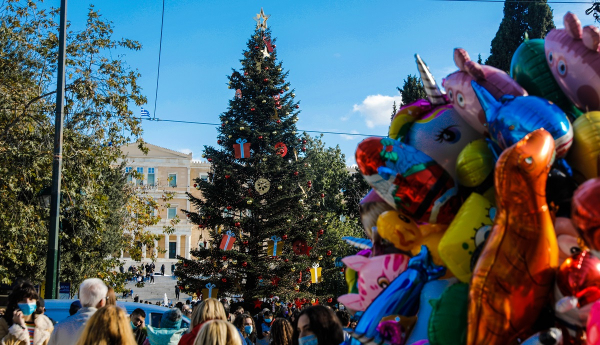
pixel 159 54
pixel 218 124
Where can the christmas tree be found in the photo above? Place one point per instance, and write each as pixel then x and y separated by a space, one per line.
pixel 265 216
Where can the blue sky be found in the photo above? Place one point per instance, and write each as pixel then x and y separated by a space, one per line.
pixel 345 58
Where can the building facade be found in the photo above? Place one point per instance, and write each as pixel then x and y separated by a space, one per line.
pixel 165 170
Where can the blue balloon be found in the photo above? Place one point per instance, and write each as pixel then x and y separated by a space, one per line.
pixel 401 297
pixel 431 291
pixel 513 117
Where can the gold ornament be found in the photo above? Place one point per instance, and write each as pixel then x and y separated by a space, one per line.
pixel 229 136
pixel 288 220
pixel 242 128
pixel 294 132
pixel 301 201
pixel 293 269
pixel 262 186
pixel 287 112
pixel 234 262
pixel 274 132
pixel 264 101
pixel 203 155
pixel 320 257
pixel 297 288
pixel 278 69
pixel 280 187
pixel 249 201
pixel 293 95
pixel 315 220
pixel 287 88
pixel 264 159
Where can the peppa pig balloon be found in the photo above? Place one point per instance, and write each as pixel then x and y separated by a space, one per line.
pixel 573 56
pixel 374 275
pixel 511 118
pixel 461 95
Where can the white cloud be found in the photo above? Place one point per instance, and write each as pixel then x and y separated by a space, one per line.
pixel 185 151
pixel 377 109
pixel 349 137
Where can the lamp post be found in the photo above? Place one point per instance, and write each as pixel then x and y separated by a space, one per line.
pixel 52 259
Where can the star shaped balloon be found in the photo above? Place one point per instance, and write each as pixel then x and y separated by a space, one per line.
pixel 261 20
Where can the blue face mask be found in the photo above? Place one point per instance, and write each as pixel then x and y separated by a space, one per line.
pixel 27 308
pixel 132 325
pixel 268 320
pixel 308 340
pixel 248 329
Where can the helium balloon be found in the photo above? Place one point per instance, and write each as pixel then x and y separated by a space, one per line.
pixel 566 236
pixel 468 231
pixel 431 291
pixel 475 165
pixel 573 57
pixel 593 325
pixel 529 68
pixel 401 297
pixel 408 179
pixel 374 275
pixel 448 321
pixel 460 92
pixel 406 116
pixel 586 214
pixel 586 145
pixel 514 275
pixel 406 235
pixel 550 337
pixel 512 118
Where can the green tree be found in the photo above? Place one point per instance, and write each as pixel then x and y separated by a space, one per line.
pixel 412 90
pixel 97 203
pixel 533 17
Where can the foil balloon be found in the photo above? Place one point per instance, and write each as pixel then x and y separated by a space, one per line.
pixel 431 291
pixel 577 288
pixel 586 145
pixel 514 275
pixel 407 236
pixel 475 164
pixel 573 57
pixel 566 236
pixel 401 297
pixel 553 336
pixel 593 325
pixel 585 214
pixel 512 118
pixel 461 95
pixel 408 179
pixel 448 320
pixel 529 68
pixel 374 275
pixel 468 231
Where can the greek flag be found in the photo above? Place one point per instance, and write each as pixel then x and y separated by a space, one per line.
pixel 144 112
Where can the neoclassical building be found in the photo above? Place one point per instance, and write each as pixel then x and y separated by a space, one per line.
pixel 165 170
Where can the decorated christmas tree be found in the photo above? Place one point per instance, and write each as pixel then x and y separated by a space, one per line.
pixel 267 217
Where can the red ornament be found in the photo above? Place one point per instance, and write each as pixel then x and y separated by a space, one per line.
pixel 308 269
pixel 285 260
pixel 245 73
pixel 303 148
pixel 224 258
pixel 322 195
pixel 255 47
pixel 271 296
pixel 274 46
pixel 266 80
pixel 244 264
pixel 281 149
pixel 260 137
pixel 219 142
pixel 321 232
pixel 304 141
pixel 201 226
pixel 224 280
pixel 237 224
pixel 329 253
pixel 330 300
pixel 280 91
pixel 284 237
pixel 229 207
pixel 259 277
pixel 579 276
pixel 309 183
pixel 297 106
pixel 195 185
pixel 210 159
pixel 296 173
pixel 227 176
pixel 342 269
pixel 222 125
pixel 245 243
pixel 252 109
pixel 278 121
pixel 267 68
pixel 299 281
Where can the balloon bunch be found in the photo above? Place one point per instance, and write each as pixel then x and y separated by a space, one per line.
pixel 484 215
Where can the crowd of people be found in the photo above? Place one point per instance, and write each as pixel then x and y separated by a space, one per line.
pixel 95 319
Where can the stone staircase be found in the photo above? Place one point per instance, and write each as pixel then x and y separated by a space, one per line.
pixel 155 292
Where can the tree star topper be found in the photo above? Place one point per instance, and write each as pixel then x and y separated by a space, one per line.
pixel 261 20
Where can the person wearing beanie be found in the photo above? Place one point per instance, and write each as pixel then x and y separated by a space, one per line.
pixel 170 330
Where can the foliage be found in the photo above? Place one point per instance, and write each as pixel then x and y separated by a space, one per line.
pixel 412 90
pixel 97 204
pixel 304 196
pixel 532 17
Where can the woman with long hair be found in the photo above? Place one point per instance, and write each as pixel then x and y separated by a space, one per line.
pixel 109 325
pixel 318 325
pixel 20 324
pixel 245 325
pixel 209 309
pixel 111 297
pixel 281 332
pixel 218 332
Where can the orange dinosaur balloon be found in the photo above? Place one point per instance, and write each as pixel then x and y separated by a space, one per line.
pixel 514 275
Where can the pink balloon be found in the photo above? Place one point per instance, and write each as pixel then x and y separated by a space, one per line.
pixel 593 325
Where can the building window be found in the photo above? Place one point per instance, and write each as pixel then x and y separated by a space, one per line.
pixel 172 180
pixel 171 212
pixel 141 180
pixel 128 172
pixel 204 177
pixel 150 176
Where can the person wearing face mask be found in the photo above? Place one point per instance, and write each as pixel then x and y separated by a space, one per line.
pixel 318 325
pixel 245 325
pixel 20 325
pixel 263 331
pixel 137 319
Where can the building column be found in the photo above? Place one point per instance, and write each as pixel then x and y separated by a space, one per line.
pixel 143 251
pixel 121 254
pixel 178 245
pixel 188 246
pixel 155 250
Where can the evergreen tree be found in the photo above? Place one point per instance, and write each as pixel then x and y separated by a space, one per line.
pixel 269 193
pixel 412 90
pixel 394 110
pixel 479 60
pixel 534 18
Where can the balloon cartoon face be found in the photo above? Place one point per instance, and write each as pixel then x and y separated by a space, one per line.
pixel 573 57
pixel 583 155
pixel 512 118
pixel 461 95
pixel 408 179
pixel 374 275
pixel 579 276
pixel 442 134
pixel 585 213
pixel 566 236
